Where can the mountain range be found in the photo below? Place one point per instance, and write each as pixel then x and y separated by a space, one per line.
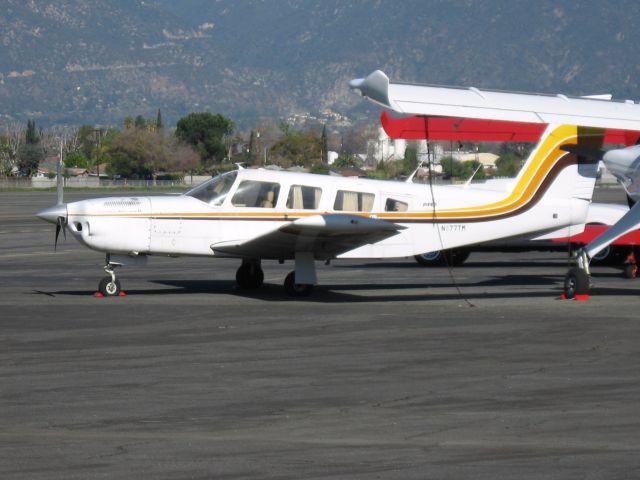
pixel 99 61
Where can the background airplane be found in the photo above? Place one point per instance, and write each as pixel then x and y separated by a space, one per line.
pixel 522 116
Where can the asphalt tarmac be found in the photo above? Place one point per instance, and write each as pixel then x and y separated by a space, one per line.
pixel 389 370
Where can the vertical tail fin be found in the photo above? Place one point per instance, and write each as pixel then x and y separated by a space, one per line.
pixel 551 171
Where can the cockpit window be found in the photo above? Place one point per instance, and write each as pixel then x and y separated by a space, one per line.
pixel 254 194
pixel 214 191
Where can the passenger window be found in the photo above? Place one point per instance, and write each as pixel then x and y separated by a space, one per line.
pixel 392 205
pixel 353 201
pixel 253 194
pixel 302 197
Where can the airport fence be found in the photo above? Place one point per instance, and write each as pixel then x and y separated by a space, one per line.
pixel 19 183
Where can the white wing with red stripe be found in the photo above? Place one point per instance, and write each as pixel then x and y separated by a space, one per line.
pixel 492 105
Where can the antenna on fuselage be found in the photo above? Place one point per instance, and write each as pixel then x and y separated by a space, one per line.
pixel 466 184
pixel 413 174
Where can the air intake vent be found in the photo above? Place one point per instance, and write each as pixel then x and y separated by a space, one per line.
pixel 130 202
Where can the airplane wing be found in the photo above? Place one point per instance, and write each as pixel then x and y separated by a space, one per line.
pixel 326 236
pixel 479 130
pixel 462 129
pixel 504 106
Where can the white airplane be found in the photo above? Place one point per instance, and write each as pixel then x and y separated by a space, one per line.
pixel 256 214
pixel 621 119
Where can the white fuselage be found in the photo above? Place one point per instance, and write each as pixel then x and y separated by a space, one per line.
pixel 185 225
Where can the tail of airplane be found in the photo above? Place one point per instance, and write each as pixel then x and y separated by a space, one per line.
pixel 549 175
pixel 550 195
pixel 550 172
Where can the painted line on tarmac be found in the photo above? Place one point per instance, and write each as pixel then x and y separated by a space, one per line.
pixel 33 230
pixel 36 254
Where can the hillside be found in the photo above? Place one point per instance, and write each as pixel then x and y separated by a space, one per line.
pixel 90 61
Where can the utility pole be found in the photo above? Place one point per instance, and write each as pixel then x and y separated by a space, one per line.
pixel 97 132
pixel 59 175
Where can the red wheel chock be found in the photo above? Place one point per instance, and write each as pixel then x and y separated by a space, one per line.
pixel 577 298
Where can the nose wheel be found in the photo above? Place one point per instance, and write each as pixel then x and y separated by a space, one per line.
pixel 109 286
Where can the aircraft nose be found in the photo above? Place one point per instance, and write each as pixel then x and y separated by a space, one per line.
pixel 52 214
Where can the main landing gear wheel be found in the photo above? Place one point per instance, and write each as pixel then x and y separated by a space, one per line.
pixel 630 270
pixel 456 257
pixel 576 282
pixel 109 287
pixel 249 276
pixel 429 259
pixel 296 289
pixel 453 257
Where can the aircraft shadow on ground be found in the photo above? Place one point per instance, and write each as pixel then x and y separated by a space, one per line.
pixel 515 287
pixel 469 264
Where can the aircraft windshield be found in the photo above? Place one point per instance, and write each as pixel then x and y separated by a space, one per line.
pixel 214 191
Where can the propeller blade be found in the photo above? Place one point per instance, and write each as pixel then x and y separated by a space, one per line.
pixel 55 244
pixel 60 224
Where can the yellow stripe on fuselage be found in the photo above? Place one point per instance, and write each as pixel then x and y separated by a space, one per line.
pixel 528 184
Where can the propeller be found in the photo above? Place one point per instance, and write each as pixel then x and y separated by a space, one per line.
pixel 61 223
pixel 58 213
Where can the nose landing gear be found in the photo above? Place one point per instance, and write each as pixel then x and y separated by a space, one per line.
pixel 109 286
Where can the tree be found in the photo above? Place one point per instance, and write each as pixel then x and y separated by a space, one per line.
pixel 519 149
pixel 31 153
pixel 159 124
pixel 31 134
pixel 324 146
pixel 355 140
pixel 30 156
pixel 5 156
pixel 11 141
pixel 451 167
pixel 75 160
pixel 297 148
pixel 320 169
pixel 347 161
pixel 205 132
pixel 87 142
pixel 140 123
pixel 508 165
pixel 251 153
pixel 144 153
pixel 410 161
pixel 463 170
